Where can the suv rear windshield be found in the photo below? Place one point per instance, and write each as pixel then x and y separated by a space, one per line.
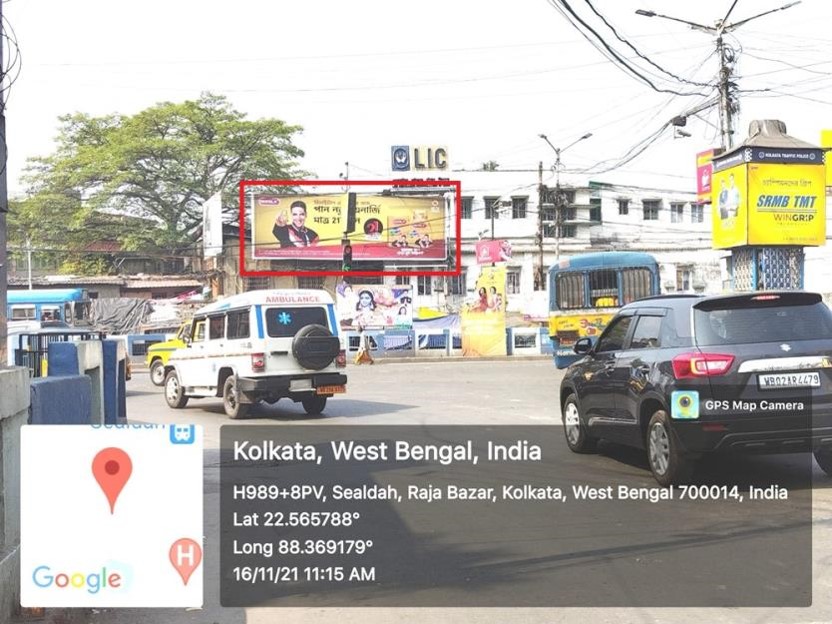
pixel 754 322
pixel 285 322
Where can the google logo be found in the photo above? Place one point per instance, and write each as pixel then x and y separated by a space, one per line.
pixel 94 582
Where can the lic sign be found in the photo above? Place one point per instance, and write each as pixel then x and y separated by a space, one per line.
pixel 422 158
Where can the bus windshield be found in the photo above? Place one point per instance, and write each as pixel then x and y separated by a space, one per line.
pixel 586 290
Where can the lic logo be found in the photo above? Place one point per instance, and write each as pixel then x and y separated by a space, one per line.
pixel 401 158
pixel 182 434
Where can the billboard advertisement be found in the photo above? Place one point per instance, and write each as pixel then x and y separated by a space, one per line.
pixel 826 143
pixel 484 318
pixel 310 227
pixel 374 306
pixel 766 203
pixel 704 172
pixel 491 251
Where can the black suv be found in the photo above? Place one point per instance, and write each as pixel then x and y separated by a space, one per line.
pixel 684 375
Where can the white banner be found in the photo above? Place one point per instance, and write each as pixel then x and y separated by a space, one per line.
pixel 212 226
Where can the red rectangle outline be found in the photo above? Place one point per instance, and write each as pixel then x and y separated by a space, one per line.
pixel 458 256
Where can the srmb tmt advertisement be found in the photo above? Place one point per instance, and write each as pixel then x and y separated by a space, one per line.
pixel 767 196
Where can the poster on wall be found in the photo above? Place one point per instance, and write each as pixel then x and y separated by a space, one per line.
pixel 374 306
pixel 484 317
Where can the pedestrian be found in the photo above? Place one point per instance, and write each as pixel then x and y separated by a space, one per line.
pixel 363 355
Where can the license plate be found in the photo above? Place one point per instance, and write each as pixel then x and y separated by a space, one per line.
pixel 774 381
pixel 297 385
pixel 331 389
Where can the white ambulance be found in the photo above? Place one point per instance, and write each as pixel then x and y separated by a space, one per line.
pixel 262 345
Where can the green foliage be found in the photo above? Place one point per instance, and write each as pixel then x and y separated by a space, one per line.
pixel 141 179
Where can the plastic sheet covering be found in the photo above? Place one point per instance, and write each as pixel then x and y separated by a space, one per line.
pixel 120 315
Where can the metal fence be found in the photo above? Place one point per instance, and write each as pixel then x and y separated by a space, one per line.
pixel 32 349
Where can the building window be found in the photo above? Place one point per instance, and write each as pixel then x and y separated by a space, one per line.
pixel 424 285
pixel 549 213
pixel 569 231
pixel 697 213
pixel 255 283
pixel 513 283
pixel 651 209
pixel 456 284
pixel 570 213
pixel 492 207
pixel 623 206
pixel 568 196
pixel 683 278
pixel 315 282
pixel 467 209
pixel 518 207
pixel 595 209
pixel 402 280
pixel 372 280
pixel 677 213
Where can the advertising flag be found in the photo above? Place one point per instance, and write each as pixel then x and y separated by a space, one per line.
pixel 484 318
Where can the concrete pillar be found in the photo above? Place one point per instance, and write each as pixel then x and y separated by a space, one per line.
pixel 14 412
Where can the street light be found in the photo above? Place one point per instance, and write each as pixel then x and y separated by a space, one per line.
pixel 720 28
pixel 558 203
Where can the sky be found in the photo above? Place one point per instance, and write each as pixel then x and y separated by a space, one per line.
pixel 482 78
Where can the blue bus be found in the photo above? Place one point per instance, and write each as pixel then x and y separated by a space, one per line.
pixel 59 305
pixel 585 292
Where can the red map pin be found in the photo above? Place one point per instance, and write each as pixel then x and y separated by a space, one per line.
pixel 112 467
pixel 185 555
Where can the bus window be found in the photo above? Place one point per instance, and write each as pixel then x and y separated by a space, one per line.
pixel 570 291
pixel 82 312
pixel 603 288
pixel 68 313
pixel 23 313
pixel 635 284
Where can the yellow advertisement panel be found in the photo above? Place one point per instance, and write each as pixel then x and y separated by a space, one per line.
pixel 786 204
pixel 484 319
pixel 729 207
pixel 310 227
pixel 826 141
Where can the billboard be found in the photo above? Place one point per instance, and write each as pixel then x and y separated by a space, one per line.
pixel 374 306
pixel 491 251
pixel 310 227
pixel 484 318
pixel 704 172
pixel 768 203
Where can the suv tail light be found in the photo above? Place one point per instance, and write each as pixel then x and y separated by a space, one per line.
pixel 341 359
pixel 701 364
pixel 258 362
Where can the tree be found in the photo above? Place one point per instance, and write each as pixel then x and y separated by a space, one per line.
pixel 158 166
pixel 490 165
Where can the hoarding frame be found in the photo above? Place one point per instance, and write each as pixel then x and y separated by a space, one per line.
pixel 455 184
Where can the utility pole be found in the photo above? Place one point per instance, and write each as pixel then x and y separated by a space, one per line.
pixel 29 261
pixel 4 208
pixel 541 272
pixel 728 103
pixel 558 194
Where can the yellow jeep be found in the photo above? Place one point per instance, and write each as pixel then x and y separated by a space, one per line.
pixel 158 354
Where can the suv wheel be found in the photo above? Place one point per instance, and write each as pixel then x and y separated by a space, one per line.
pixel 314 405
pixel 157 372
pixel 231 400
pixel 577 438
pixel 668 463
pixel 174 392
pixel 824 459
